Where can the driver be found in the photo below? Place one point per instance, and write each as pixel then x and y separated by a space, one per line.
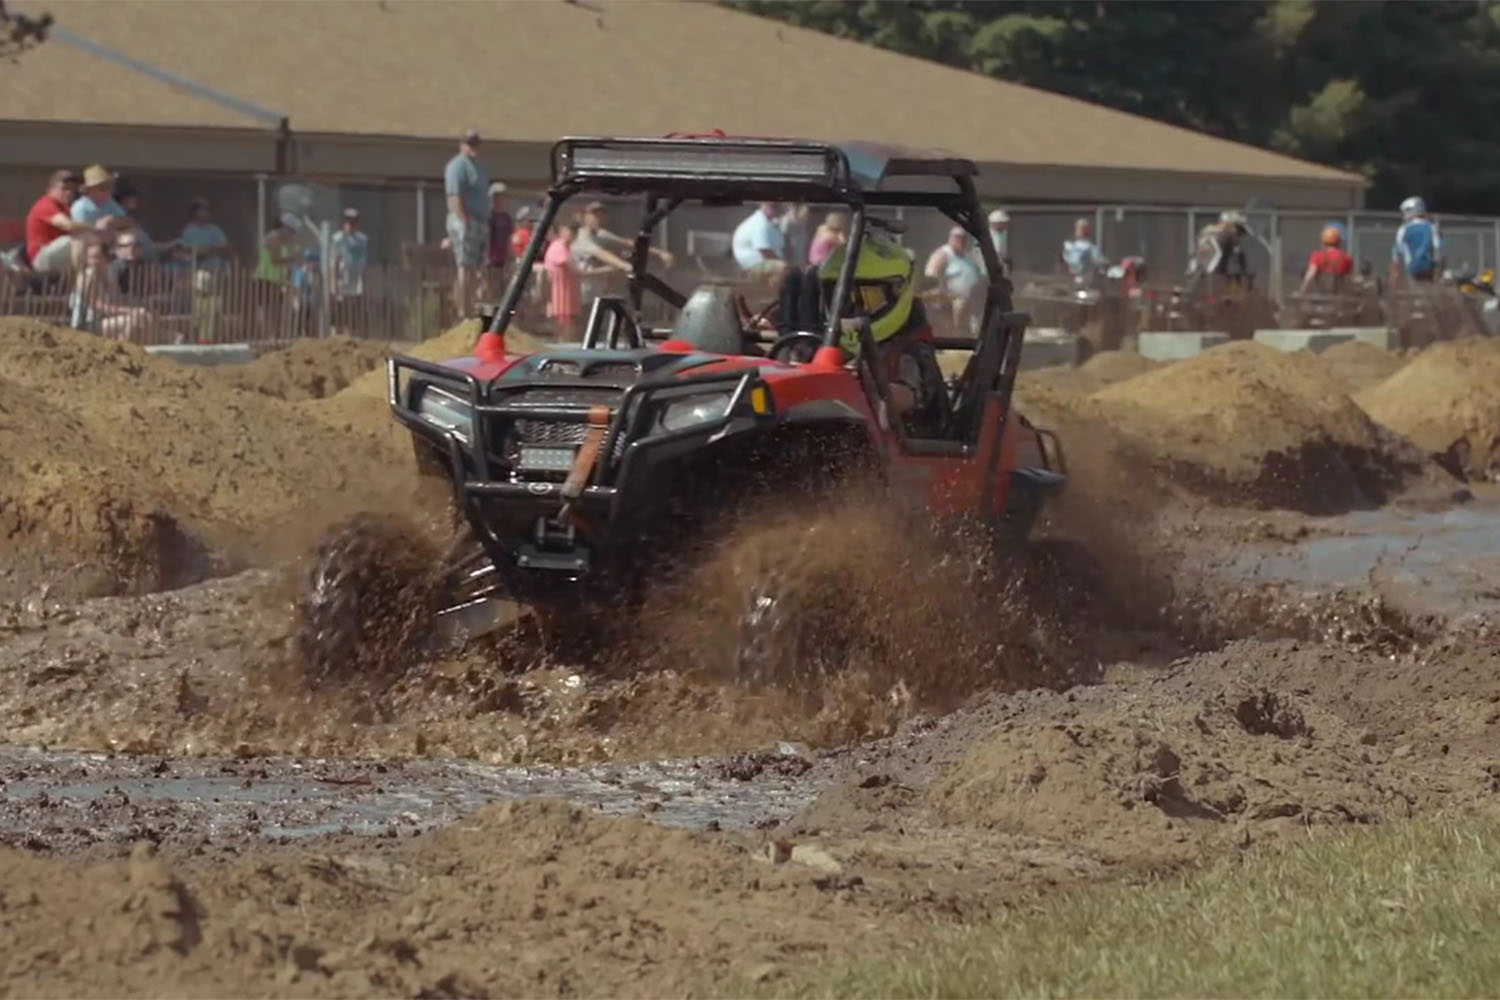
pixel 884 291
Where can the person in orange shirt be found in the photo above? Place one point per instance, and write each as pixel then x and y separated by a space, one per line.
pixel 1329 262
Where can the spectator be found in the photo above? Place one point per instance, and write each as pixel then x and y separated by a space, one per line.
pixel 466 184
pixel 272 270
pixel 130 200
pixel 99 307
pixel 521 238
pixel 565 301
pixel 758 244
pixel 1000 234
pixel 1418 246
pixel 598 264
pixel 128 269
pixel 1081 255
pixel 1329 263
pixel 794 228
pixel 307 287
pixel 51 231
pixel 952 264
pixel 351 253
pixel 1222 250
pixel 830 234
pixel 519 241
pixel 205 242
pixel 502 228
pixel 98 208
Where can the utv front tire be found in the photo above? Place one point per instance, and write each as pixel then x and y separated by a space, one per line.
pixel 364 596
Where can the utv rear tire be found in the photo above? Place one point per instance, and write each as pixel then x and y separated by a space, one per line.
pixel 364 596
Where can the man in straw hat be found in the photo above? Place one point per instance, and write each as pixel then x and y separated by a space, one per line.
pixel 98 208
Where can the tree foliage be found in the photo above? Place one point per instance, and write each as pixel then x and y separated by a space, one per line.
pixel 1405 93
pixel 19 32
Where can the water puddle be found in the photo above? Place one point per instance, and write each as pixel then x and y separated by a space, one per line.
pixel 98 797
pixel 1451 557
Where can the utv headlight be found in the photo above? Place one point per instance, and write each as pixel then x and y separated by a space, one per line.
pixel 693 410
pixel 443 409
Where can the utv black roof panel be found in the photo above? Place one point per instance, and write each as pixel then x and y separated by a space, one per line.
pixel 751 169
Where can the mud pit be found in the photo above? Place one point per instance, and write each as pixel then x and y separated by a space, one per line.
pixel 1237 677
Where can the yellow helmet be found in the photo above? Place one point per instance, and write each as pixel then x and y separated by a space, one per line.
pixel 884 286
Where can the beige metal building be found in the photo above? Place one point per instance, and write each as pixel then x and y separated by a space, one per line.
pixel 366 97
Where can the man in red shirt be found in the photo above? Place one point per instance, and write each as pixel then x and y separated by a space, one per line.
pixel 50 229
pixel 1330 262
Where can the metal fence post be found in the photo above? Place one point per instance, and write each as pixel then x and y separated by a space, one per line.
pixel 1277 278
pixel 260 214
pixel 422 212
pixel 325 269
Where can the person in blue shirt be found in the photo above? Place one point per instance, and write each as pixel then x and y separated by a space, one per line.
pixel 1418 246
pixel 202 238
pixel 97 208
pixel 351 253
pixel 307 289
pixel 467 186
pixel 952 266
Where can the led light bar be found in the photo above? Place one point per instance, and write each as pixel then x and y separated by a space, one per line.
pixel 689 161
pixel 545 459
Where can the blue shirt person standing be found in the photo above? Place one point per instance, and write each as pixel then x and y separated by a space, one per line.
pixel 1418 246
pixel 467 187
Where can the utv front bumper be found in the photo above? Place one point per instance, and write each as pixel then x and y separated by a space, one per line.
pixel 512 448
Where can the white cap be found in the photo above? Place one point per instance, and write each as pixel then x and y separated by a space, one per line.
pixel 497 188
pixel 999 215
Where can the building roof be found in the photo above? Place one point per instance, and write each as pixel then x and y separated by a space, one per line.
pixel 534 70
pixel 59 83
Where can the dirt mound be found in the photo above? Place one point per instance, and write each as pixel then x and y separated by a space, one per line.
pixel 1055 390
pixel 1109 367
pixel 1248 743
pixel 1359 364
pixel 128 470
pixel 360 408
pixel 1447 400
pixel 1253 424
pixel 308 369
pixel 583 904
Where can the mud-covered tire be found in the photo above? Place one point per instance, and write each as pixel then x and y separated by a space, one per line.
pixel 363 597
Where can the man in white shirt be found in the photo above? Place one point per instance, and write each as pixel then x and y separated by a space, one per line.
pixel 759 245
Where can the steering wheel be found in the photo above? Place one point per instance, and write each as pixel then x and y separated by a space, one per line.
pixel 786 343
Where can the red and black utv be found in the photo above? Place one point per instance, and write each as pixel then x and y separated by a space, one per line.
pixel 584 470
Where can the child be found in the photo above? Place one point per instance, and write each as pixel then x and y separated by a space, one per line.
pixel 565 302
pixel 307 287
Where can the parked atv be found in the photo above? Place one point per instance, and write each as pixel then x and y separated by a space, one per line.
pixel 581 474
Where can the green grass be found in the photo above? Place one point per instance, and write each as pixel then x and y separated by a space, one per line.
pixel 1410 910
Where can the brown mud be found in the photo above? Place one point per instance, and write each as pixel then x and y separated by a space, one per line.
pixel 1444 400
pixel 1359 364
pixel 309 369
pixel 1164 680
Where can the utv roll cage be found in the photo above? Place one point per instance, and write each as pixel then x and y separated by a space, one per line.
pixel 721 170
